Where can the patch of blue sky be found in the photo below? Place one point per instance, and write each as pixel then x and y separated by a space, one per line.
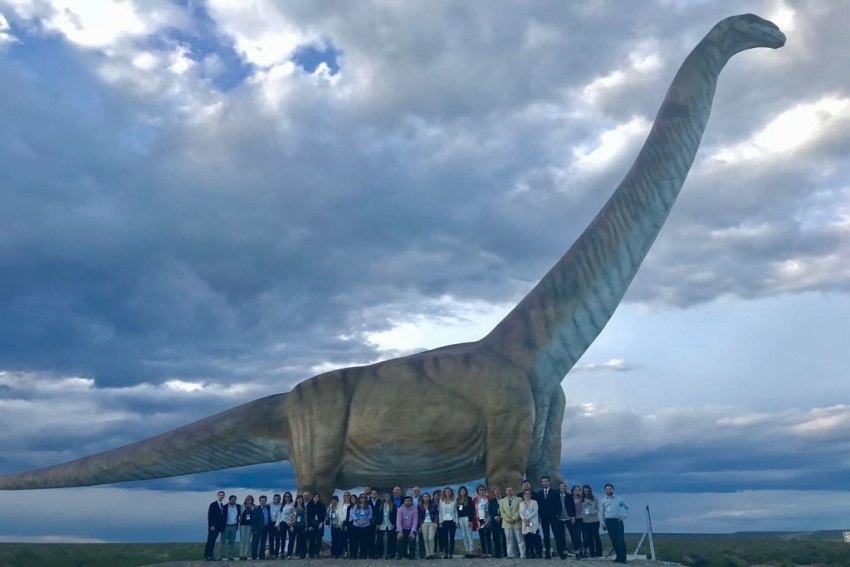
pixel 57 68
pixel 309 57
pixel 204 42
pixel 277 474
pixel 61 72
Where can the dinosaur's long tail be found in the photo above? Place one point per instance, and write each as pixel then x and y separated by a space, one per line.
pixel 253 433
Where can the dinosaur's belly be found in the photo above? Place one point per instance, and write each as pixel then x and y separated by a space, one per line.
pixel 391 467
pixel 413 445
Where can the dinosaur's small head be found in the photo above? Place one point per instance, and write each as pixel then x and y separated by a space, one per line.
pixel 737 33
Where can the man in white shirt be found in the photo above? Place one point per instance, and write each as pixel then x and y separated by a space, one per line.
pixel 232 511
pixel 417 499
pixel 274 531
pixel 615 511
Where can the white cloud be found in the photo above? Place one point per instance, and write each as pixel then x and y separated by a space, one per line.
pixel 453 321
pixel 5 33
pixel 644 64
pixel 611 145
pixel 179 61
pixel 262 34
pixel 45 383
pixel 793 130
pixel 183 386
pixel 820 422
pixel 600 85
pixel 95 25
pixel 146 60
pixel 100 25
pixel 744 420
pixel 37 404
pixel 616 364
pixel 796 273
pixel 119 32
pixel 785 17
pixel 744 233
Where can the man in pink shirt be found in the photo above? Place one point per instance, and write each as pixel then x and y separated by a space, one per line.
pixel 406 524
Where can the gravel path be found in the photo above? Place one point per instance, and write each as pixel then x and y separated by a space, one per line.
pixel 458 562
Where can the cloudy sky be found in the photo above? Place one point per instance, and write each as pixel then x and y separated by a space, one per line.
pixel 207 202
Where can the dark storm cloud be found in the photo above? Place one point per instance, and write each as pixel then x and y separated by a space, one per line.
pixel 241 240
pixel 708 449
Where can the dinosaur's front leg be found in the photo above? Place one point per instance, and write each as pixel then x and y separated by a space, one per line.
pixel 507 448
pixel 546 459
pixel 318 417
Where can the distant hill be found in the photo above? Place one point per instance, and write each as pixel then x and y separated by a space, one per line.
pixel 820 535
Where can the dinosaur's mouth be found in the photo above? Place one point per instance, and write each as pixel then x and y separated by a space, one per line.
pixel 775 38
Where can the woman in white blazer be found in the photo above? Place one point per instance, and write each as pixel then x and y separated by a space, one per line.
pixel 528 512
pixel 448 521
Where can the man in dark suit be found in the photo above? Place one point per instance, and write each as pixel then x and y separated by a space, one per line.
pixel 215 525
pixel 549 507
pixel 260 521
pixel 499 543
pixel 377 506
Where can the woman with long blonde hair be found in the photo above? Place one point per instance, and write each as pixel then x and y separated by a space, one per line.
pixel 448 521
pixel 245 528
pixel 465 518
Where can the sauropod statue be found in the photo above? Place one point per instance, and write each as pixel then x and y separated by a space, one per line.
pixel 495 406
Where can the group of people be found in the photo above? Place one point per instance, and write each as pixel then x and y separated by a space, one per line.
pixel 398 526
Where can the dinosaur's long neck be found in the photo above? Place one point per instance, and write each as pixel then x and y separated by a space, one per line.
pixel 555 323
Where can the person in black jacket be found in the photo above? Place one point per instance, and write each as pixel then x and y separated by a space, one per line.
pixel 500 544
pixel 300 528
pixel 377 506
pixel 549 507
pixel 215 525
pixel 577 525
pixel 316 515
pixel 260 521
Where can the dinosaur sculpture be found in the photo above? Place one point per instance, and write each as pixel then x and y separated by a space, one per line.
pixel 334 433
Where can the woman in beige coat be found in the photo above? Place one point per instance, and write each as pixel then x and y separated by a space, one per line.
pixel 528 511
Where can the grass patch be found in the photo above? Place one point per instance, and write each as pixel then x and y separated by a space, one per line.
pixel 692 550
pixel 96 554
pixel 742 550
